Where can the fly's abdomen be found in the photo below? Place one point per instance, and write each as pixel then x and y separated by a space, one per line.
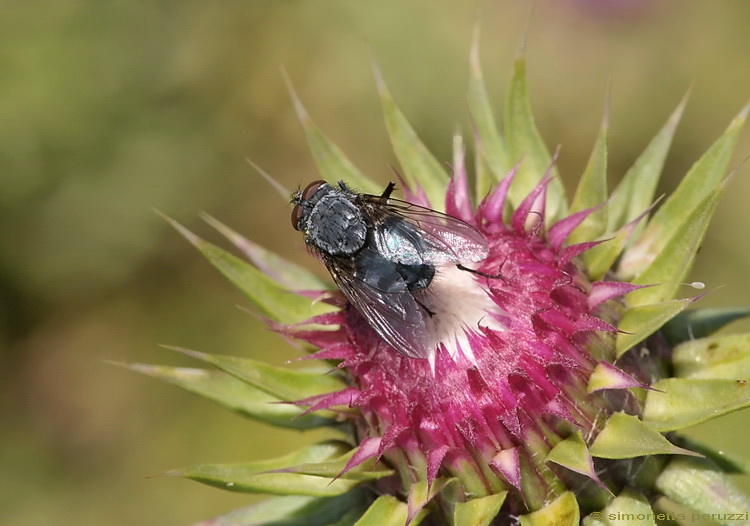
pixel 417 277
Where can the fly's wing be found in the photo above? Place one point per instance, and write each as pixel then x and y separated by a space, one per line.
pixel 379 293
pixel 411 234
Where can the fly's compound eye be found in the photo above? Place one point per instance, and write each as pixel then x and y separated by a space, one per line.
pixel 311 188
pixel 301 197
pixel 296 216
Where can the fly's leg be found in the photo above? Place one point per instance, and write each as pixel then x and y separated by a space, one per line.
pixel 426 309
pixel 479 273
pixel 387 192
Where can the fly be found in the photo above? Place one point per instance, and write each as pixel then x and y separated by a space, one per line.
pixel 384 254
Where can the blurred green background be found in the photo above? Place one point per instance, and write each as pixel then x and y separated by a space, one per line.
pixel 110 109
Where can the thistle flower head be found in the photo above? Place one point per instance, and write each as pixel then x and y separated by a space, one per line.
pixel 556 368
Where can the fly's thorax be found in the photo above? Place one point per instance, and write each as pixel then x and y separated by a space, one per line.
pixel 333 224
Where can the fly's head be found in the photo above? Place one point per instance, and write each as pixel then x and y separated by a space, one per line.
pixel 304 201
pixel 328 217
